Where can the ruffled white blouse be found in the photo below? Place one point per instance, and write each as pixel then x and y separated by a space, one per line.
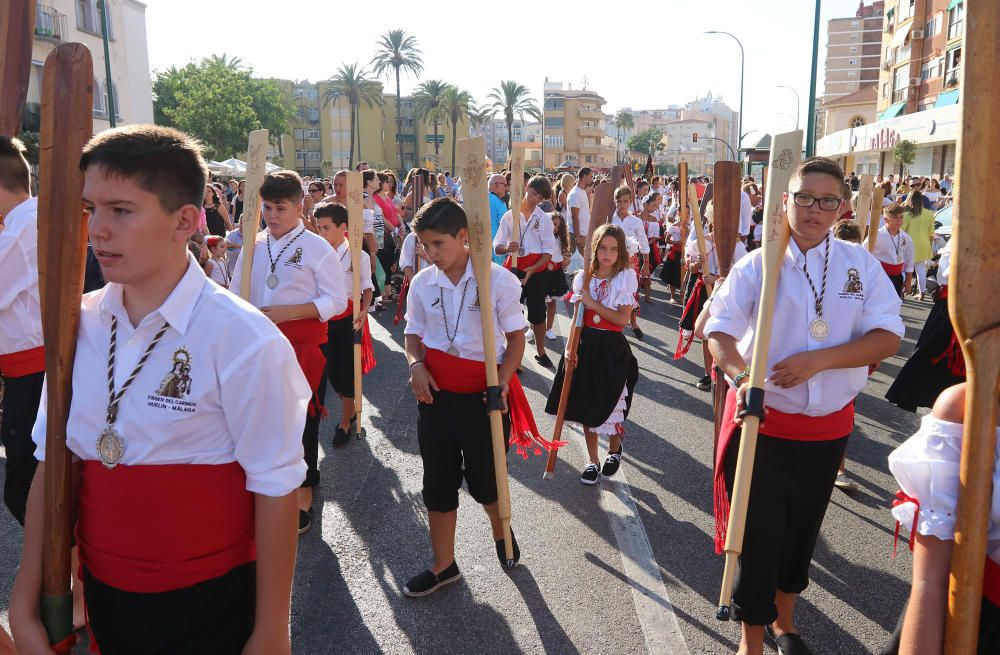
pixel 926 468
pixel 613 293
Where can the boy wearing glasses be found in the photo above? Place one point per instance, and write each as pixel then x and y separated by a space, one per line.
pixel 836 313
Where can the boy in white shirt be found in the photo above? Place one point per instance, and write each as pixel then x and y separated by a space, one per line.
pixel 894 248
pixel 835 314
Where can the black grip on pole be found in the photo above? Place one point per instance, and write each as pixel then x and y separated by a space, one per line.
pixel 357 337
pixel 493 399
pixel 753 403
pixel 722 613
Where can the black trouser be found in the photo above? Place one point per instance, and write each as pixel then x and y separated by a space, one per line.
pixel 310 433
pixel 20 407
pixel 214 617
pixel 533 296
pixel 897 283
pixel 387 256
pixel 789 492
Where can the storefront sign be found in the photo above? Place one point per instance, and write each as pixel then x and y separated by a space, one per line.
pixel 884 139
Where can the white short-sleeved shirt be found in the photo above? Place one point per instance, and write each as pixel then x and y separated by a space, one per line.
pixel 652 229
pixel 578 199
pixel 894 249
pixel 219 273
pixel 190 403
pixel 926 468
pixel 20 308
pixel 944 265
pixel 746 213
pixel 618 291
pixel 713 261
pixel 235 238
pixel 537 237
pixel 343 253
pixel 426 319
pixel 409 250
pixel 674 232
pixel 633 227
pixel 859 298
pixel 306 273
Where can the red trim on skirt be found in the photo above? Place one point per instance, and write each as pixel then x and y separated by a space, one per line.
pixel 306 336
pixel 24 362
pixel 795 427
pixel 459 375
pixel 155 528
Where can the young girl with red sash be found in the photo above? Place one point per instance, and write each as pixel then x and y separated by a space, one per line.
pixel 606 370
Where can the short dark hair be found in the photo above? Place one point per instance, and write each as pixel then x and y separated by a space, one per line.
pixel 367 176
pixel 160 160
pixel 282 185
pixel 892 209
pixel 622 191
pixel 823 165
pixel 541 185
pixel 335 211
pixel 441 215
pixel 847 230
pixel 584 171
pixel 15 176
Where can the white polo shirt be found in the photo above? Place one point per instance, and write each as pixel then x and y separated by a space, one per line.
pixel 20 310
pixel 892 249
pixel 633 227
pixel 537 235
pixel 343 253
pixel 426 319
pixel 578 198
pixel 859 298
pixel 307 272
pixel 222 385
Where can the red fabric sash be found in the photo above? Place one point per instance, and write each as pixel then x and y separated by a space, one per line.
pixel 952 356
pixel 367 349
pixel 306 336
pixel 795 427
pixel 683 345
pixel 673 251
pixel 654 253
pixel 523 261
pixel 592 319
pixel 892 270
pixel 403 291
pixel 991 582
pixel 460 375
pixel 150 528
pixel 25 362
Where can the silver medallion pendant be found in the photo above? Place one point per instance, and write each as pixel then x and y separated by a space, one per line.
pixel 819 329
pixel 110 447
pixel 597 317
pixel 272 281
pixel 453 351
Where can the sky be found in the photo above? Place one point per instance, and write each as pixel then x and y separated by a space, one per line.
pixel 637 55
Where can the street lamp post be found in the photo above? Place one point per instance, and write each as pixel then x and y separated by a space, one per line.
pixel 797 102
pixel 811 118
pixel 739 129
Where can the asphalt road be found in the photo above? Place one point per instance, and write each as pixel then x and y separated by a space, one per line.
pixel 622 568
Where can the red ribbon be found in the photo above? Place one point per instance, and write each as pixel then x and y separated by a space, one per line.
pixel 901 499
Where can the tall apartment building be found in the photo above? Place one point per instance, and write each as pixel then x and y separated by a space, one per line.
pixel 575 128
pixel 63 21
pixel 723 124
pixel 495 136
pixel 853 49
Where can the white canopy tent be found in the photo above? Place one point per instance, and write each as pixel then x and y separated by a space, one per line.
pixel 239 167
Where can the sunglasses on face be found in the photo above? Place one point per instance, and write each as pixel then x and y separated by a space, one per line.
pixel 807 201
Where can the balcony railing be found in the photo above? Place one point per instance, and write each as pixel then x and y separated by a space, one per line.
pixel 952 79
pixel 49 23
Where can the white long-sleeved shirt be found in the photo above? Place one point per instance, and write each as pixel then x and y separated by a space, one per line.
pixel 633 227
pixel 537 237
pixel 894 248
pixel 20 308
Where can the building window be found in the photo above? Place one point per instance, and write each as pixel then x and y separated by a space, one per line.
pixel 855 23
pixel 852 74
pixel 589 159
pixel 854 36
pixel 885 89
pixel 930 69
pixel 300 133
pixel 857 121
pixel 88 18
pixel 952 63
pixel 852 62
pixel 100 108
pixel 315 155
pixel 312 134
pixel 553 122
pixel 933 27
pixel 900 81
pixel 853 49
pixel 555 104
pixel 956 16
pixel 114 95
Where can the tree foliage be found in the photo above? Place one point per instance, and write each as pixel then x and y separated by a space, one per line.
pixel 640 142
pixel 904 152
pixel 354 85
pixel 512 99
pixel 398 51
pixel 219 101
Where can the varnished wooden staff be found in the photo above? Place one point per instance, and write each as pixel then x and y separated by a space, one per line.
pixel 256 158
pixel 786 153
pixel 874 217
pixel 472 159
pixel 516 196
pixel 682 211
pixel 67 124
pixel 355 239
pixel 600 212
pixel 863 207
pixel 17 28
pixel 699 233
pixel 973 286
pixel 725 233
pixel 630 182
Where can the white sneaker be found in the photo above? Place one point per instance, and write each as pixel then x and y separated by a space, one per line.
pixel 550 335
pixel 529 334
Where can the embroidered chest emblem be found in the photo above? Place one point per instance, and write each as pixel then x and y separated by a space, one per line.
pixel 177 383
pixel 853 284
pixel 296 258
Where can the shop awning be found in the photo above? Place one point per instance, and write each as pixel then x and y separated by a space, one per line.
pixel 900 36
pixel 954 3
pixel 946 98
pixel 892 111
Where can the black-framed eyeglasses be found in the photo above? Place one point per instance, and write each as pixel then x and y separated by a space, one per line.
pixel 807 201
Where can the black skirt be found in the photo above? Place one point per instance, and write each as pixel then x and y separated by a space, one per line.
pixel 558 287
pixel 922 379
pixel 989 631
pixel 605 365
pixel 670 272
pixel 694 300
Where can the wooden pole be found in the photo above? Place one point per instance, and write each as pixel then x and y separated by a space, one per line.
pixel 67 123
pixel 874 217
pixel 516 195
pixel 682 211
pixel 973 286
pixel 17 28
pixel 256 158
pixel 786 153
pixel 699 232
pixel 472 155
pixel 355 239
pixel 601 212
pixel 863 208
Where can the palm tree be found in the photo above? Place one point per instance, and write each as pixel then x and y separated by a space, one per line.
pixel 427 105
pixel 455 107
pixel 625 122
pixel 356 87
pixel 512 98
pixel 397 51
pixel 480 116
